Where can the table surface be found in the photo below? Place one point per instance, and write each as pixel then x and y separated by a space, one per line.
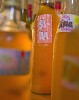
pixel 40 97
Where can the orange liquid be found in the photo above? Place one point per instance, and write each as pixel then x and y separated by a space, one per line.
pixel 42 55
pixel 65 73
pixel 15 87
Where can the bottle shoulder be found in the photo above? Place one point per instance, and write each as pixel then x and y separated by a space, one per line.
pixel 11 26
pixel 14 37
pixel 46 8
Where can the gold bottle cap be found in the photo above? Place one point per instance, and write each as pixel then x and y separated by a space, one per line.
pixel 12 3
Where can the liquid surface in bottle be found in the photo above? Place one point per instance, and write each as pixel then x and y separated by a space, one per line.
pixel 42 48
pixel 15 86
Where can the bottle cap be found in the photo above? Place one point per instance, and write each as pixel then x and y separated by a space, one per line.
pixel 12 3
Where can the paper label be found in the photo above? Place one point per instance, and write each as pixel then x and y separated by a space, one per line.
pixel 14 61
pixel 44 28
pixel 23 23
pixel 68 22
pixel 71 72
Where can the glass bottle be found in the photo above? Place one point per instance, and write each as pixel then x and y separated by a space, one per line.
pixel 63 86
pixel 2 15
pixel 36 6
pixel 24 16
pixel 45 26
pixel 1 4
pixel 15 47
pixel 58 6
pixel 30 13
pixel 24 13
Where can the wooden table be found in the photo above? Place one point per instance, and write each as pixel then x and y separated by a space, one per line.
pixel 40 97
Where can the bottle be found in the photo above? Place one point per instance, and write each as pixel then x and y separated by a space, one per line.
pixel 58 6
pixel 45 26
pixel 71 60
pixel 15 46
pixel 36 7
pixel 0 3
pixel 63 86
pixel 24 13
pixel 30 13
pixel 24 17
pixel 2 15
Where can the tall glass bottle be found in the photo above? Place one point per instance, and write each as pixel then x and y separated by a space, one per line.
pixel 36 6
pixel 45 27
pixel 2 15
pixel 63 70
pixel 24 13
pixel 14 55
pixel 58 6
pixel 30 13
pixel 24 16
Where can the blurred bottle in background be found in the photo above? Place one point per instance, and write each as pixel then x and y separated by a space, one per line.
pixel 65 54
pixel 44 29
pixel 36 6
pixel 25 20
pixel 30 13
pixel 24 12
pixel 59 6
pixel 0 3
pixel 2 15
pixel 15 46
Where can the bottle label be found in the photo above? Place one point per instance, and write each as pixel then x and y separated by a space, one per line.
pixel 68 22
pixel 14 61
pixel 23 23
pixel 44 28
pixel 71 73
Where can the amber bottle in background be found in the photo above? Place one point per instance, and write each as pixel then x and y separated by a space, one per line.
pixel 65 55
pixel 36 7
pixel 1 4
pixel 2 15
pixel 44 30
pixel 24 17
pixel 15 45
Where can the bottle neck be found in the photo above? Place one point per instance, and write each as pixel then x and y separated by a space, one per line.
pixel 58 5
pixel 71 7
pixel 47 1
pixel 12 14
pixel 30 13
pixel 2 6
pixel 24 13
pixel 24 4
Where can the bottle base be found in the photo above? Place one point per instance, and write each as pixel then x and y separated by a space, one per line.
pixel 38 93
